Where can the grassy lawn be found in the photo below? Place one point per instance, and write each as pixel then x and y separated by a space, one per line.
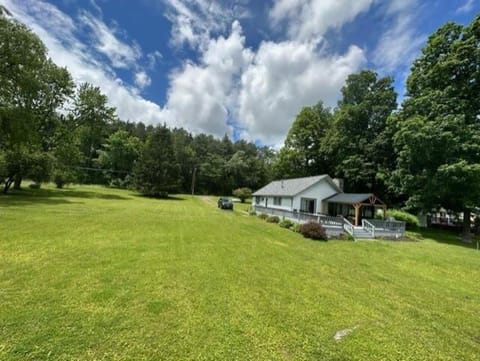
pixel 89 273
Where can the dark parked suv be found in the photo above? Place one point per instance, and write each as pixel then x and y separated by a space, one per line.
pixel 225 203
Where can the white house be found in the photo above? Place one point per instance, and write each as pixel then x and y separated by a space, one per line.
pixel 306 195
pixel 318 195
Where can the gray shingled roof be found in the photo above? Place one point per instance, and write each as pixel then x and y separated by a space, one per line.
pixel 349 198
pixel 290 187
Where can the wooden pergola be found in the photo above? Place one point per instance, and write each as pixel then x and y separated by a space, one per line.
pixel 357 201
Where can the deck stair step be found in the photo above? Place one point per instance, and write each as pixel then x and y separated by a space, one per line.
pixel 361 233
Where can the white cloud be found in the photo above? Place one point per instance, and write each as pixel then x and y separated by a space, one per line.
pixel 142 80
pixel 283 78
pixel 120 54
pixel 202 95
pixel 310 19
pixel 153 58
pixel 399 45
pixel 195 21
pixel 466 7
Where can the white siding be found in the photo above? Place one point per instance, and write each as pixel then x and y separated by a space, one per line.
pixel 319 191
pixel 286 203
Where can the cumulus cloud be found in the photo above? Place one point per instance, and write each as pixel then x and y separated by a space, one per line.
pixel 195 21
pixel 202 95
pixel 142 80
pixel 310 19
pixel 283 78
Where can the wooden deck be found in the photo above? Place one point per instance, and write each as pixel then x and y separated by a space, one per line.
pixel 336 226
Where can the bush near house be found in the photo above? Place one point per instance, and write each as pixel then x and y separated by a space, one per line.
pixel 286 223
pixel 296 227
pixel 263 216
pixel 273 219
pixel 313 230
pixel 399 215
pixel 242 193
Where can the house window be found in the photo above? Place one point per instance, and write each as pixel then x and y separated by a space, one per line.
pixel 257 200
pixel 308 205
pixel 277 201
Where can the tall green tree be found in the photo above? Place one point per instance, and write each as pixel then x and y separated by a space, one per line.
pixel 302 153
pixel 185 157
pixel 355 143
pixel 156 172
pixel 118 157
pixel 94 118
pixel 437 138
pixel 32 90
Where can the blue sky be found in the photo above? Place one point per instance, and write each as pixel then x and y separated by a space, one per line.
pixel 241 67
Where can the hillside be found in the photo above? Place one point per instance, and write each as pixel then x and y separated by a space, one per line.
pixel 95 273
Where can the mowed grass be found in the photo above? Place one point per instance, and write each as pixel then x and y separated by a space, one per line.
pixel 89 273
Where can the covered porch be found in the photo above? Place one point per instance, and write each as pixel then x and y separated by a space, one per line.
pixel 355 206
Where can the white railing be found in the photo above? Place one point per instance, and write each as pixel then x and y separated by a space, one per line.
pixel 302 217
pixel 376 227
pixel 330 221
pixel 350 228
pixel 389 228
pixel 274 211
pixel 369 227
pixel 393 226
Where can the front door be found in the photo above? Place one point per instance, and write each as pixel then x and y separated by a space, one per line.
pixel 308 205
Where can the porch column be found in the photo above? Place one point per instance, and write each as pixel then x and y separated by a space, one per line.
pixel 357 213
pixel 384 212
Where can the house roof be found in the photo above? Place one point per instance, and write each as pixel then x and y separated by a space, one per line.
pixel 291 187
pixel 350 198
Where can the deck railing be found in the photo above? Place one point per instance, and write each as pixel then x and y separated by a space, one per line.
pixel 388 225
pixel 302 217
pixel 376 227
pixel 350 228
pixel 369 227
pixel 396 228
pixel 331 221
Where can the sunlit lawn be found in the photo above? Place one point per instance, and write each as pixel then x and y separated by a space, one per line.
pixel 90 273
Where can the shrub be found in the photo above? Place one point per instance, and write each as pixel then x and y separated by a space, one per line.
pixel 286 223
pixel 379 214
pixel 296 227
pixel 273 219
pixel 313 230
pixel 263 216
pixel 252 212
pixel 411 220
pixel 242 193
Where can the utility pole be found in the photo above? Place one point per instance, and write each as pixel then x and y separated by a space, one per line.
pixel 193 180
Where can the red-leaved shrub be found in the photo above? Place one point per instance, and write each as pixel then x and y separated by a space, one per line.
pixel 313 230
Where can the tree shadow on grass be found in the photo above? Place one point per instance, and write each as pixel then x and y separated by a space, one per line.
pixel 53 196
pixel 169 198
pixel 452 237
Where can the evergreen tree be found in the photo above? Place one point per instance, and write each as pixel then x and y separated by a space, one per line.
pixel 157 172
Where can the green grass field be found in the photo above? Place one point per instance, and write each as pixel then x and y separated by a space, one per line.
pixel 89 273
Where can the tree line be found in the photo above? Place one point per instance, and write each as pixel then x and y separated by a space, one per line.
pixel 421 154
pixel 51 129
